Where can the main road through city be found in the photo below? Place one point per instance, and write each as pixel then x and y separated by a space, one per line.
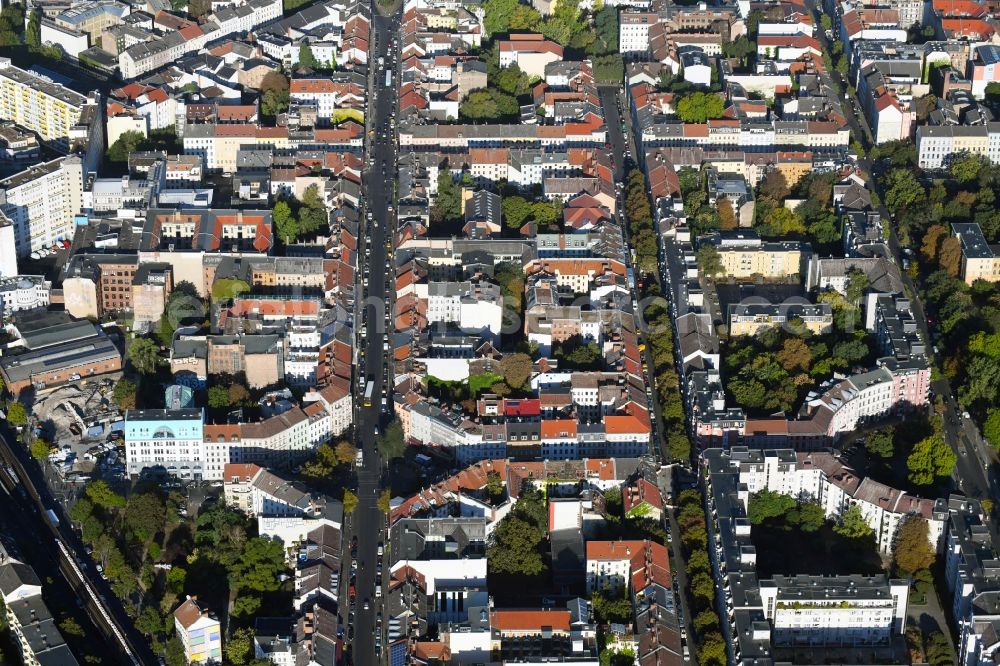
pixel 368 522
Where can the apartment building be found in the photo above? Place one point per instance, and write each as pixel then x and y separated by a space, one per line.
pixel 985 67
pixel 980 259
pixel 820 477
pixel 33 629
pixel 179 442
pixel 530 635
pixel 151 289
pixel 972 573
pixel 936 144
pixel 41 105
pixel 277 441
pixel 471 306
pixel 890 318
pixel 752 318
pixel 200 633
pixel 613 565
pixel 92 17
pixel 833 610
pixel 171 439
pixel 160 51
pixel 42 202
pixel 23 292
pixel 99 284
pixel 771 618
pixel 744 255
pixel 290 512
pixel 530 52
pixel 338 401
pixel 441 591
pixel 329 94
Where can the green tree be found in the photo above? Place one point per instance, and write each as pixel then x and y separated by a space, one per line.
pixel 149 622
pixel 17 415
pixel 698 107
pixel 70 627
pixel 33 32
pixel 313 215
pixel 516 211
pixel 489 105
pixel 125 145
pixel 965 167
pixel 260 563
pixel 809 517
pixel 165 331
pixel 913 550
pixel 902 190
pixel 391 444
pixel 81 510
pixel 705 621
pixel 679 444
pixel 881 443
pixel 852 524
pixel 274 94
pixel 226 289
pixel 345 452
pixel 494 485
pixel 504 15
pixel 218 397
pixel 173 652
pixel 383 502
pixel 703 589
pixel 607 25
pixel 782 222
pixel 516 369
pixel 285 223
pixel 11 25
pixel 545 214
pixel 938 650
pixel 448 201
pixel 713 651
pixel 144 355
pixel 306 57
pixel 930 460
pixel 144 516
pixel 240 647
pixel 350 501
pixel 515 548
pixel 611 607
pixel 39 449
pixel 857 285
pixel 991 428
pixel 741 48
pixel 767 505
pixel 101 495
pixel 513 81
pixel 709 260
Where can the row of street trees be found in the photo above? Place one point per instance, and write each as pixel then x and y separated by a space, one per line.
pixel 711 648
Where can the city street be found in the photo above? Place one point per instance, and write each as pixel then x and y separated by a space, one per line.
pixel 368 520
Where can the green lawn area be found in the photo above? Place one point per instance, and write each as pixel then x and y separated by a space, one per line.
pixel 461 390
pixel 483 382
